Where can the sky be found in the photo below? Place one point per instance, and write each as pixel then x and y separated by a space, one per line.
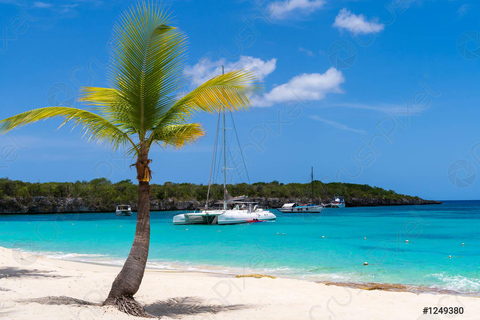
pixel 373 92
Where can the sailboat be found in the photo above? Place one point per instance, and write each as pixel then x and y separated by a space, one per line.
pixel 295 208
pixel 242 212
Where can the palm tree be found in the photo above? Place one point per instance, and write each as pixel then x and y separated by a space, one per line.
pixel 143 106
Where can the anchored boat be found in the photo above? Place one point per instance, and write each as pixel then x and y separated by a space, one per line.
pixel 123 210
pixel 295 208
pixel 240 212
pixel 243 212
pixel 338 202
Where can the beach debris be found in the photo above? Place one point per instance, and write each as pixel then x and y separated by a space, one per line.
pixel 370 286
pixel 365 263
pixel 254 275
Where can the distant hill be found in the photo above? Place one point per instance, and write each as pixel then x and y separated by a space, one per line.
pixel 100 195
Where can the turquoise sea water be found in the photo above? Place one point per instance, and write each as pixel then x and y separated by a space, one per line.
pixel 329 246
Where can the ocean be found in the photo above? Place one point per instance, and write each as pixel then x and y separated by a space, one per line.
pixel 434 246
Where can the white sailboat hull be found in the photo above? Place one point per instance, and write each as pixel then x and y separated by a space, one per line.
pixel 301 209
pixel 223 217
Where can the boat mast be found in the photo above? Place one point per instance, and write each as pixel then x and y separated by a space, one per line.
pixel 312 184
pixel 224 158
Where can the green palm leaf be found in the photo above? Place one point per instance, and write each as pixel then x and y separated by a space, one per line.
pixel 177 135
pixel 98 128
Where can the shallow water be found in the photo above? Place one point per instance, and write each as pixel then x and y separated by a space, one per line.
pixel 326 247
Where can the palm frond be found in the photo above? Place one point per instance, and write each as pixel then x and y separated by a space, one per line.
pixel 100 96
pixel 147 56
pixel 107 101
pixel 95 126
pixel 177 135
pixel 224 92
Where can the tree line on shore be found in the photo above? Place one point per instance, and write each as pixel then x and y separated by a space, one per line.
pixel 103 191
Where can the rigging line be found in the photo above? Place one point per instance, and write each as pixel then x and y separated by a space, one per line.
pixel 216 169
pixel 240 146
pixel 218 157
pixel 211 167
pixel 235 165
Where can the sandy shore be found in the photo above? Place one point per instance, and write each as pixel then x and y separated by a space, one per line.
pixel 35 287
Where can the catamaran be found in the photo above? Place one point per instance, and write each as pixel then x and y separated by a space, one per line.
pixel 242 212
pixel 295 208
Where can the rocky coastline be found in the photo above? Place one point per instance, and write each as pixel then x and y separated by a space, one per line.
pixel 42 204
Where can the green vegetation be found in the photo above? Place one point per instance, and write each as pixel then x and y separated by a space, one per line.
pixel 103 195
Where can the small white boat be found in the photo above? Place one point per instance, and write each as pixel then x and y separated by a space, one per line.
pixel 236 215
pixel 338 202
pixel 294 208
pixel 123 210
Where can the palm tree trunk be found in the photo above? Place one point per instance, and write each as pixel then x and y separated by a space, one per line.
pixel 128 281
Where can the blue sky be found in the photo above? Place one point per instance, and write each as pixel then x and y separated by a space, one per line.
pixel 364 91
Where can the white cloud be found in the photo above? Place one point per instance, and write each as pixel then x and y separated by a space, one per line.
pixel 337 125
pixel 42 5
pixel 282 9
pixel 206 69
pixel 357 24
pixel 304 87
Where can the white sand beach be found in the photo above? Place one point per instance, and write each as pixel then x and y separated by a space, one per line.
pixel 35 287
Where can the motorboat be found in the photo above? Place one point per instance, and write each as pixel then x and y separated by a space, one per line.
pixel 123 210
pixel 338 202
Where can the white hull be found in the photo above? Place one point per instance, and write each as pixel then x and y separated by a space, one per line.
pixel 338 202
pixel 123 213
pixel 302 209
pixel 233 216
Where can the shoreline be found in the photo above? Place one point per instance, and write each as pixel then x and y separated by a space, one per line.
pixel 428 203
pixel 229 273
pixel 33 286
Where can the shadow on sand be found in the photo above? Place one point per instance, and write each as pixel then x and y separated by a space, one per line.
pixel 11 272
pixel 173 308
pixel 61 300
pixel 178 307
